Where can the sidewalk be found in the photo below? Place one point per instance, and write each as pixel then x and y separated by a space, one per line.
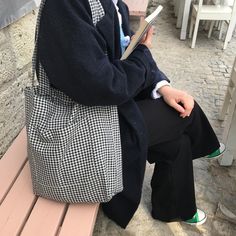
pixel 204 73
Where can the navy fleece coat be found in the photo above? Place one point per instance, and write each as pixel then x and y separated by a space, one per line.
pixel 83 61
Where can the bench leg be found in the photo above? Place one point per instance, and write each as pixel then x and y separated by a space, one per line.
pixel 142 19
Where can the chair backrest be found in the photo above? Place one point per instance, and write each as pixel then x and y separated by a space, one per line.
pixel 231 3
pixel 223 2
pixel 202 2
pixel 218 2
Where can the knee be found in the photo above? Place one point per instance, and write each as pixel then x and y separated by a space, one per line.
pixel 196 110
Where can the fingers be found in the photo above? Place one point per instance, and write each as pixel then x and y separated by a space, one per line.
pixel 177 107
pixel 150 33
pixel 188 104
pixel 154 30
pixel 147 39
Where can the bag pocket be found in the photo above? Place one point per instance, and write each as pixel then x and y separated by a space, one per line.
pixel 50 147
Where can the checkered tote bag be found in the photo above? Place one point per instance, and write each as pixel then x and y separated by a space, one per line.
pixel 74 150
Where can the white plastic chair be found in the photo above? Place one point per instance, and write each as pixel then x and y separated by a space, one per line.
pixel 229 109
pixel 229 101
pixel 215 13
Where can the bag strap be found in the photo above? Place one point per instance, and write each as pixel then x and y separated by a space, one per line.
pixel 97 13
pixel 34 58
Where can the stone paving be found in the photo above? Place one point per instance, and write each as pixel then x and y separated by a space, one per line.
pixel 203 72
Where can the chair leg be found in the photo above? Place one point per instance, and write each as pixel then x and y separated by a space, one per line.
pixel 180 14
pixel 176 7
pixel 219 25
pixel 191 27
pixel 211 28
pixel 225 106
pixel 221 29
pixel 229 32
pixel 195 33
pixel 207 25
pixel 226 41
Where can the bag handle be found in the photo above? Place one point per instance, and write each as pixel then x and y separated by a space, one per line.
pixel 97 13
pixel 34 58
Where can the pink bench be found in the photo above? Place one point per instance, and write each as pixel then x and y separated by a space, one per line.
pixel 137 7
pixel 24 214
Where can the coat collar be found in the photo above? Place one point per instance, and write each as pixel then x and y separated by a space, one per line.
pixel 108 26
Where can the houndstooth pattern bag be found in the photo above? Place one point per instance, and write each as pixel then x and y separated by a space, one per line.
pixel 74 150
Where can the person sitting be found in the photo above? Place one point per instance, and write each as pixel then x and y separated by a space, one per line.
pixel 158 123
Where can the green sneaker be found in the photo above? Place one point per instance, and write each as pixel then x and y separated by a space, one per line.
pixel 198 219
pixel 217 153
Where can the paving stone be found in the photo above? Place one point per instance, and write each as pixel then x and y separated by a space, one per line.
pixel 222 70
pixel 223 229
pixel 222 66
pixel 216 69
pixel 217 73
pixel 226 75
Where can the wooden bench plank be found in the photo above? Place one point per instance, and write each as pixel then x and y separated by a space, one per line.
pixel 12 163
pixel 45 218
pixel 79 220
pixel 137 7
pixel 17 205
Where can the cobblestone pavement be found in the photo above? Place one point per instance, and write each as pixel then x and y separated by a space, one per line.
pixel 203 72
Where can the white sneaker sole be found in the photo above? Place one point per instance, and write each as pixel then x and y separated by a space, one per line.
pixel 222 150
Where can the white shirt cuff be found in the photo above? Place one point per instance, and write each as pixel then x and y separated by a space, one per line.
pixel 160 84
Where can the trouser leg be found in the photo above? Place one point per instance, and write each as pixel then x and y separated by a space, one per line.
pixel 173 195
pixel 174 143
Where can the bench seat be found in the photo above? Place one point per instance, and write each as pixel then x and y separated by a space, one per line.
pixel 22 213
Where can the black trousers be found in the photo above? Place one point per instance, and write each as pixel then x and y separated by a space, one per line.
pixel 173 144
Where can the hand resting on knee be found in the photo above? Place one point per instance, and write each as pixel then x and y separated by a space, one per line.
pixel 178 99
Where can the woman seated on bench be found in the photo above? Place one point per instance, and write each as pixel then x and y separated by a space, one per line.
pixel 158 123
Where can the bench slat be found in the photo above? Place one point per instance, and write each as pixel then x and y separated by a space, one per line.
pixel 12 163
pixel 18 203
pixel 79 220
pixel 45 218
